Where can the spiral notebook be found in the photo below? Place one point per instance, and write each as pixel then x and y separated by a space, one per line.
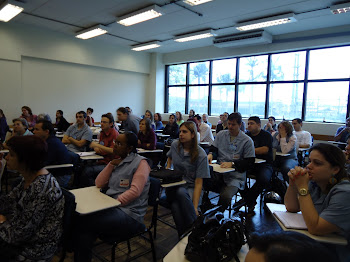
pixel 291 220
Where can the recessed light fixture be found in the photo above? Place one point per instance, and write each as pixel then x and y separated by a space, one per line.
pixel 9 10
pixel 92 32
pixel 146 46
pixel 196 2
pixel 141 15
pixel 340 9
pixel 195 36
pixel 266 22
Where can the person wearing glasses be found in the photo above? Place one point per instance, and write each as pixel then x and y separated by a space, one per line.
pixel 127 180
pixel 285 143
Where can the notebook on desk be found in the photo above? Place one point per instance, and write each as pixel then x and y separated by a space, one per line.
pixel 291 220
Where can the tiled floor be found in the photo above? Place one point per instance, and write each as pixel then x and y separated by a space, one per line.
pixel 167 237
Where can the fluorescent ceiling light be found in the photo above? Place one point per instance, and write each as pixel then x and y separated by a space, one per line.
pixel 340 9
pixel 92 32
pixel 9 11
pixel 196 2
pixel 146 46
pixel 141 15
pixel 266 22
pixel 195 36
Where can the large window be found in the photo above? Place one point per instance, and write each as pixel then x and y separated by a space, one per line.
pixel 310 84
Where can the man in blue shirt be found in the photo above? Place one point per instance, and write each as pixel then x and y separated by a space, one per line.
pixel 57 152
pixel 233 149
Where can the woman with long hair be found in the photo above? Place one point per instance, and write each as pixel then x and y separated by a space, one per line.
pixel 321 191
pixel 27 114
pixel 188 157
pixel 31 214
pixel 179 118
pixel 146 136
pixel 158 121
pixel 285 142
pixel 149 115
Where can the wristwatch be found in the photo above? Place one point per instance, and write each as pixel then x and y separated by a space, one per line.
pixel 303 192
pixel 233 164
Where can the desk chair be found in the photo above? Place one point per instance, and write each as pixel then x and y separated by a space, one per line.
pixel 68 223
pixel 153 199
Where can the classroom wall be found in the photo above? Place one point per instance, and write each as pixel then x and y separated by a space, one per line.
pixel 49 70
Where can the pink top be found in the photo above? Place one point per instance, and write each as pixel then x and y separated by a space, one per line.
pixel 138 182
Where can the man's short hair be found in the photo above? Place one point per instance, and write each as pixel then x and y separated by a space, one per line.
pixel 256 119
pixel 109 116
pixel 81 113
pixel 235 116
pixel 90 109
pixel 199 118
pixel 298 120
pixel 123 110
pixel 44 116
pixel 47 125
pixel 274 119
pixel 22 120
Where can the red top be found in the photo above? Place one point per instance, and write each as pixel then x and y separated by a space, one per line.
pixel 107 139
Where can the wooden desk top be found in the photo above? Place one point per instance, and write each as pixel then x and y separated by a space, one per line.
pixel 90 200
pixel 218 169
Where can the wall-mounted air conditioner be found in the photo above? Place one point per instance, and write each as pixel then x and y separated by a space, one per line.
pixel 242 39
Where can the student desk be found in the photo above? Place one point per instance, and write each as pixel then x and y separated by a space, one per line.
pixel 177 253
pixel 91 199
pixel 329 238
pixel 5 151
pixel 143 151
pixel 89 156
pixel 337 143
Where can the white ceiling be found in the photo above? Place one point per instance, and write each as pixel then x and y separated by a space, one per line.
pixel 70 16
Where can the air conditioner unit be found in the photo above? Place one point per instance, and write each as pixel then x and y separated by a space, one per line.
pixel 250 38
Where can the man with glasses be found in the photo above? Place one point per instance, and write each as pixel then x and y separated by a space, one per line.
pixel 79 135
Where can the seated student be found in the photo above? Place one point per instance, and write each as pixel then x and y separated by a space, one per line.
pixel 28 115
pixel 205 131
pixel 104 147
pixel 223 123
pixel 286 247
pixel 321 192
pixel 186 156
pixel 271 125
pixel 89 119
pixel 149 115
pixel 130 121
pixel 61 123
pixel 3 126
pixel 179 118
pixel 285 142
pixel 303 137
pixel 171 128
pixel 205 120
pixel 126 219
pixel 31 214
pixel 158 121
pixel 57 152
pixel 191 114
pixel 262 171
pixel 235 149
pixel 146 137
pixel 79 135
pixel 20 128
pixel 347 156
pixel 342 133
pixel 195 121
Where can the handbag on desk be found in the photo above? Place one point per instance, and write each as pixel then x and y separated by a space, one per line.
pixel 215 238
pixel 166 176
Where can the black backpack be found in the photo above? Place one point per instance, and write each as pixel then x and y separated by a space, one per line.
pixel 166 176
pixel 215 238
